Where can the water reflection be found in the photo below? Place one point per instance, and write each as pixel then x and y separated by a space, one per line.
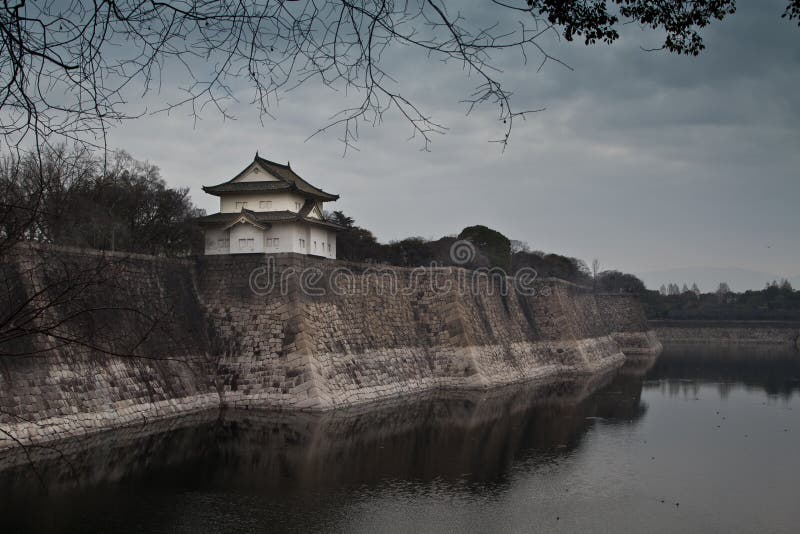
pixel 458 435
pixel 456 452
pixel 684 368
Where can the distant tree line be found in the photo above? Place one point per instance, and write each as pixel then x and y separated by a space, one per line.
pixel 777 301
pixel 72 197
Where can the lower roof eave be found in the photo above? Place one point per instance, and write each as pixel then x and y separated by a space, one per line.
pixel 218 219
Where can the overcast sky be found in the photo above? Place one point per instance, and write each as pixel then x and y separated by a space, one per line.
pixel 647 161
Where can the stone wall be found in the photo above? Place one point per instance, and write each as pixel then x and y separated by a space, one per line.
pixel 627 323
pixel 761 332
pixel 399 333
pixel 179 336
pixel 142 312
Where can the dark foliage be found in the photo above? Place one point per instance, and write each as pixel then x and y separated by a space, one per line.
pixel 597 20
pixel 775 302
pixel 493 248
pixel 353 243
pixel 69 198
pixel 358 244
pixel 618 282
pixel 552 265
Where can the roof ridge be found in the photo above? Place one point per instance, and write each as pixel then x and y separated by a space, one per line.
pixel 265 160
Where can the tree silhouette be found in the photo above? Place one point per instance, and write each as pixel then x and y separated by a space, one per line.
pixel 70 70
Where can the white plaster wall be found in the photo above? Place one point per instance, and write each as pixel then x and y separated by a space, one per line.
pixel 315 213
pixel 280 202
pixel 246 231
pixel 300 231
pixel 288 234
pixel 285 232
pixel 318 241
pixel 216 241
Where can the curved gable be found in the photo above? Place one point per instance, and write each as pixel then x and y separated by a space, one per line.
pixel 256 173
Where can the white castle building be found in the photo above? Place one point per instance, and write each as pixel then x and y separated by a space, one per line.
pixel 268 208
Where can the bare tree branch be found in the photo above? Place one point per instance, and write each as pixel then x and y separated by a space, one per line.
pixel 69 70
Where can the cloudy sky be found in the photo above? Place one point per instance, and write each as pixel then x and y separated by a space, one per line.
pixel 647 161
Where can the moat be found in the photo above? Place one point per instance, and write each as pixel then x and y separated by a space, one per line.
pixel 698 439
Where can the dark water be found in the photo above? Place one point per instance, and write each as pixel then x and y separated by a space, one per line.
pixel 700 439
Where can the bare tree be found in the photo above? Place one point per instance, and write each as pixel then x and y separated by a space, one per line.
pixel 63 198
pixel 69 69
pixel 595 272
pixel 518 246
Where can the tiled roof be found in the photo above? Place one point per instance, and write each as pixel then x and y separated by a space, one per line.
pixel 322 222
pixel 288 181
pixel 264 217
pixel 308 205
pixel 242 187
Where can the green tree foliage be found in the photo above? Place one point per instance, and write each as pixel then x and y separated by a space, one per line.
pixel 553 265
pixel 353 242
pixel 494 247
pixel 619 282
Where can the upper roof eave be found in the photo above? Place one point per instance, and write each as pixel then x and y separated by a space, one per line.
pixel 283 173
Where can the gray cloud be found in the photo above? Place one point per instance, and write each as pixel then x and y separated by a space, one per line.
pixel 645 160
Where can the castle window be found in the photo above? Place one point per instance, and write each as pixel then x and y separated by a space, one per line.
pixel 240 205
pixel 246 243
pixel 297 205
pixel 302 242
pixel 265 204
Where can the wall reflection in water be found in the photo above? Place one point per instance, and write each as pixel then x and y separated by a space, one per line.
pixel 455 435
pixel 685 367
pixel 289 470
